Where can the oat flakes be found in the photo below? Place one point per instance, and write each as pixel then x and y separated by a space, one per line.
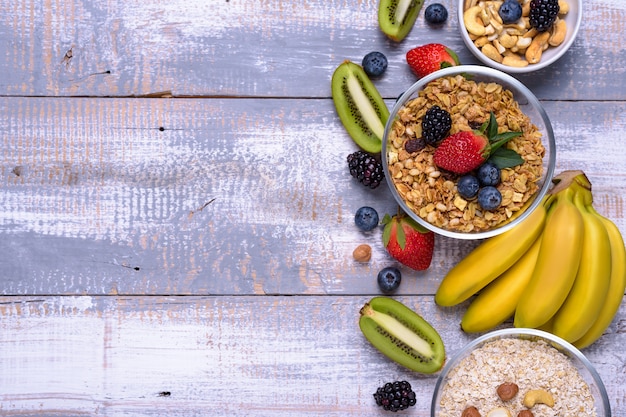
pixel 432 193
pixel 528 364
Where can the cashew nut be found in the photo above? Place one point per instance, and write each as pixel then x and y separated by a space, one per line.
pixel 499 412
pixel 507 41
pixel 482 41
pixel 534 51
pixel 558 33
pixel 501 49
pixel 563 7
pixel 484 16
pixel 471 23
pixel 538 396
pixel 491 52
pixel 523 42
pixel 514 60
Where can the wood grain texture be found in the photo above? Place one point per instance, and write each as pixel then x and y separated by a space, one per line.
pixel 254 48
pixel 221 196
pixel 176 215
pixel 212 356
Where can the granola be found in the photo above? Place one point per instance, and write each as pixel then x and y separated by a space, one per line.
pixel 531 365
pixel 432 193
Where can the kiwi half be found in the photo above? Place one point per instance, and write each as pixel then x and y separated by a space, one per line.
pixel 359 106
pixel 397 17
pixel 402 335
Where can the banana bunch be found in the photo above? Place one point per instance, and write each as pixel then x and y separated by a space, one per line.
pixel 562 270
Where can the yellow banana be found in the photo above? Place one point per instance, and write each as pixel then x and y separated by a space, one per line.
pixel 617 285
pixel 588 294
pixel 497 301
pixel 557 263
pixel 490 259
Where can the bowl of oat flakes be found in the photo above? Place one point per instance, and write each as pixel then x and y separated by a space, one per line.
pixel 471 95
pixel 492 33
pixel 511 371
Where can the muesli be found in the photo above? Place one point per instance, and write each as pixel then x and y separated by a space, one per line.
pixel 431 193
pixel 531 366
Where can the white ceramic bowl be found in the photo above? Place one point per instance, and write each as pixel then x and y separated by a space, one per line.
pixel 529 105
pixel 580 362
pixel 573 19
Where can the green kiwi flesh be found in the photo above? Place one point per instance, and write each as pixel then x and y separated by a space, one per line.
pixel 397 17
pixel 359 106
pixel 402 335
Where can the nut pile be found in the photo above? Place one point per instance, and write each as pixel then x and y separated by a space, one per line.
pixel 514 44
pixel 431 193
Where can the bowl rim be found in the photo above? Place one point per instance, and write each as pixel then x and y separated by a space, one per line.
pixel 560 50
pixel 557 342
pixel 514 84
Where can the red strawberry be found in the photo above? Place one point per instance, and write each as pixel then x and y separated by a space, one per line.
pixel 408 242
pixel 462 152
pixel 431 57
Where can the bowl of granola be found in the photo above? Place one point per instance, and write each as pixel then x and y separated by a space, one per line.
pixel 510 371
pixel 515 37
pixel 438 173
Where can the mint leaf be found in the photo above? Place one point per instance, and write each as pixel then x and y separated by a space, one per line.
pixel 493 127
pixel 506 158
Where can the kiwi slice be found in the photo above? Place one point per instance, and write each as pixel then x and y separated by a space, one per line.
pixel 402 335
pixel 359 106
pixel 396 17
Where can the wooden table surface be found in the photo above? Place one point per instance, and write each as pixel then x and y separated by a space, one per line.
pixel 176 215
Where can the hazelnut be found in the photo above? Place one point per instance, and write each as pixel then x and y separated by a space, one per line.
pixel 507 391
pixel 525 413
pixel 362 253
pixel 471 412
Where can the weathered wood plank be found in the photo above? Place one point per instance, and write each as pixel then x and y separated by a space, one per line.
pixel 220 196
pixel 284 49
pixel 211 356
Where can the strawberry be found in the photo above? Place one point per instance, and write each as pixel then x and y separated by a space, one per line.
pixel 462 152
pixel 465 151
pixel 431 57
pixel 408 242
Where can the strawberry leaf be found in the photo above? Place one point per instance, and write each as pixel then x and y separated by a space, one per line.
pixel 506 158
pixel 387 230
pixel 400 235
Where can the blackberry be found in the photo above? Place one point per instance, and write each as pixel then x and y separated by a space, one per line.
pixel 435 125
pixel 543 14
pixel 395 396
pixel 365 168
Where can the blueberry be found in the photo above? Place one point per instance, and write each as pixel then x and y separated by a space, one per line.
pixel 489 198
pixel 510 11
pixel 366 218
pixel 489 174
pixel 389 279
pixel 468 186
pixel 436 13
pixel 374 64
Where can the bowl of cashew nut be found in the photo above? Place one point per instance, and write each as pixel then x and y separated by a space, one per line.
pixel 509 36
